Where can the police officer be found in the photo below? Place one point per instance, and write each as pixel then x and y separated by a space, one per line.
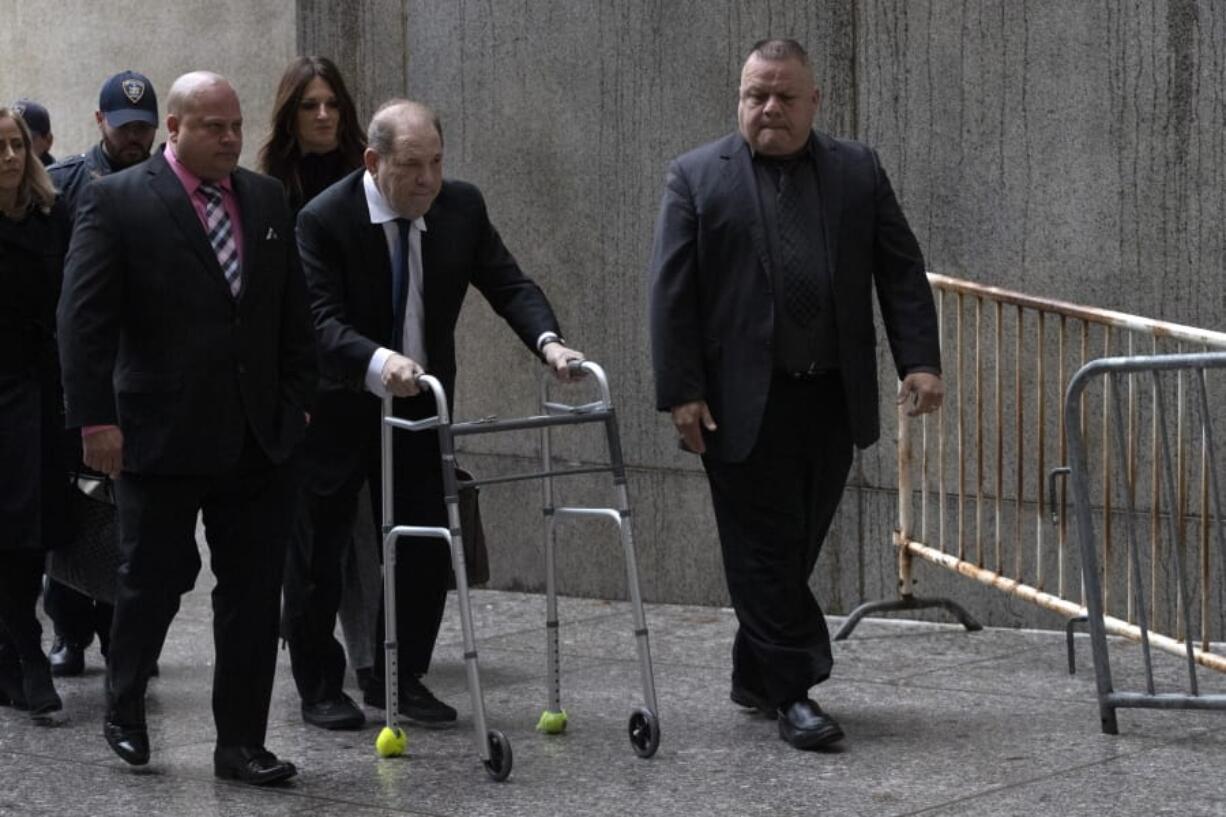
pixel 38 120
pixel 127 118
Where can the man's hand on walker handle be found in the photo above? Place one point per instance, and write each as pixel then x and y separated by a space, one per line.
pixel 921 392
pixel 399 376
pixel 690 419
pixel 562 359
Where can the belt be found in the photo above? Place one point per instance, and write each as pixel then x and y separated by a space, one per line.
pixel 809 375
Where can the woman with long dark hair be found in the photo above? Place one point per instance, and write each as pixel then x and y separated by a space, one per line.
pixel 33 474
pixel 315 140
pixel 315 137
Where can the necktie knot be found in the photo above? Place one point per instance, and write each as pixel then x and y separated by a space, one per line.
pixel 210 191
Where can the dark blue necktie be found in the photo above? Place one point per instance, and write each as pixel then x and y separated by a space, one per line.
pixel 400 283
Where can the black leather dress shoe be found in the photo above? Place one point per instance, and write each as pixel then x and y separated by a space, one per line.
pixel 334 713
pixel 251 764
pixel 67 659
pixel 131 743
pixel 752 700
pixel 804 725
pixel 417 703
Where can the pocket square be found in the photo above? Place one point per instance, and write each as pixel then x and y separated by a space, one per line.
pixel 272 235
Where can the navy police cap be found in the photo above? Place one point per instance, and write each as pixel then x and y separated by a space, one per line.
pixel 36 116
pixel 128 97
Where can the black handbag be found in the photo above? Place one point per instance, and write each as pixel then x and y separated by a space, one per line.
pixel 476 557
pixel 89 560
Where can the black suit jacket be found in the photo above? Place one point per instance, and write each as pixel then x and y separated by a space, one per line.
pixel 152 340
pixel 349 275
pixel 712 307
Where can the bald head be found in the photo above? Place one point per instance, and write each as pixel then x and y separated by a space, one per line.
pixel 205 124
pixel 405 156
pixel 187 89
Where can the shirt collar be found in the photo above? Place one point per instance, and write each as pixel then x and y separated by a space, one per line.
pixel 191 182
pixel 380 211
pixel 808 151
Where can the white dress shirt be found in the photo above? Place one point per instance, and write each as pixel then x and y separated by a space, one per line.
pixel 413 342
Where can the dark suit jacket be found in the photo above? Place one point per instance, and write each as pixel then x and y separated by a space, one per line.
pixel 349 275
pixel 712 307
pixel 151 339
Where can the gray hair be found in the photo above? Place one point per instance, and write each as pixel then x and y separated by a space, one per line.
pixel 779 49
pixel 385 124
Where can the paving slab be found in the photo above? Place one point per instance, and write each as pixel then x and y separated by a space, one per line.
pixel 939 721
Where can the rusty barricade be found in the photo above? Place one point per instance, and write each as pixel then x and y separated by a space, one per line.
pixel 1148 386
pixel 980 488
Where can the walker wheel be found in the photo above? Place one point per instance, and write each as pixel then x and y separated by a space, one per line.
pixel 498 767
pixel 644 732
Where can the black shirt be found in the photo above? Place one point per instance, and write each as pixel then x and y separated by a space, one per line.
pixel 316 173
pixel 797 348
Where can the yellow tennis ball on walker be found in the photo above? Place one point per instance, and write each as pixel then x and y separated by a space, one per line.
pixel 391 742
pixel 552 723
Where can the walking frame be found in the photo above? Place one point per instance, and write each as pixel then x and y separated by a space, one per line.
pixel 493 747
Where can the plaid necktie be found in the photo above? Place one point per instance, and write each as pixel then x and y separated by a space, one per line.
pixel 221 235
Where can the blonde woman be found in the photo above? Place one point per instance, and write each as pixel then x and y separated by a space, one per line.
pixel 33 476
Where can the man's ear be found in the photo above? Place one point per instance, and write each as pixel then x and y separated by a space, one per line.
pixel 371 160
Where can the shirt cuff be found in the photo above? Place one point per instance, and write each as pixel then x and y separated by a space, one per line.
pixel 924 370
pixel 374 371
pixel 89 431
pixel 548 337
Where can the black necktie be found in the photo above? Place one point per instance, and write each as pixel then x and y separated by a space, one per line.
pixel 400 283
pixel 800 293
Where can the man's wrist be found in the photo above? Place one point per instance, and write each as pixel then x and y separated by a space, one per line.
pixel 547 338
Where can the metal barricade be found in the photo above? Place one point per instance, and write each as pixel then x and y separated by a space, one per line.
pixel 1170 545
pixel 493 747
pixel 977 490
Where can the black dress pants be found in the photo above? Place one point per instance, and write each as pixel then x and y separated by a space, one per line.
pixel 77 617
pixel 773 511
pixel 20 581
pixel 246 524
pixel 325 528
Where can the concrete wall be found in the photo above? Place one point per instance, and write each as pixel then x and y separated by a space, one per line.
pixel 60 51
pixel 1068 149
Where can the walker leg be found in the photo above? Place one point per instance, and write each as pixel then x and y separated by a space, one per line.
pixel 553 718
pixel 492 746
pixel 644 723
pixel 391 740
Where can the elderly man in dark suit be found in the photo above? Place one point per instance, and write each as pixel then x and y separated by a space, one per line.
pixel 189 362
pixel 389 253
pixel 768 246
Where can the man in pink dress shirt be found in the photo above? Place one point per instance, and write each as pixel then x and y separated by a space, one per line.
pixel 189 364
